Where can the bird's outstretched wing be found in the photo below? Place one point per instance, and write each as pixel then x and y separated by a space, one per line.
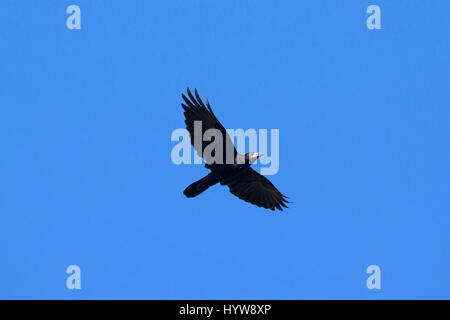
pixel 253 187
pixel 195 110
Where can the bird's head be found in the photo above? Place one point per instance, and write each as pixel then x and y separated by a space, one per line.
pixel 251 157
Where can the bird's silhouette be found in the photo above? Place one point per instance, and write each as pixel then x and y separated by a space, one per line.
pixel 241 179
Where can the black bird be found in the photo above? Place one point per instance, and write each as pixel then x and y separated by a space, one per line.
pixel 241 179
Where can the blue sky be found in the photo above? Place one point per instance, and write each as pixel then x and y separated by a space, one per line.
pixel 85 123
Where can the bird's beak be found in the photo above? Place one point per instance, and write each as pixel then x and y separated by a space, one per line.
pixel 259 155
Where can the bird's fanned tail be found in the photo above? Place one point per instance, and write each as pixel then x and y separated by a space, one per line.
pixel 201 185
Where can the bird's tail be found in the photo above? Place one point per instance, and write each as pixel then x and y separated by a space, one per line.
pixel 201 185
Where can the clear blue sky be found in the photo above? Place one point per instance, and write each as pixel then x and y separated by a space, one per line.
pixel 86 177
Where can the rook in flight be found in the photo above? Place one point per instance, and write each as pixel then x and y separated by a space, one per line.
pixel 241 179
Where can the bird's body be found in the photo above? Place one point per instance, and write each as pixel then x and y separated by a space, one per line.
pixel 242 180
